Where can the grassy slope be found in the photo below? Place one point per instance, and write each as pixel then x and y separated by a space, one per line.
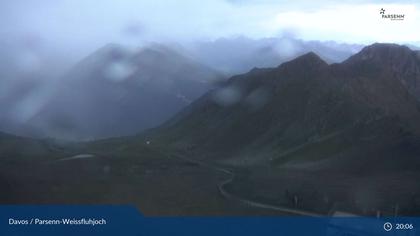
pixel 120 173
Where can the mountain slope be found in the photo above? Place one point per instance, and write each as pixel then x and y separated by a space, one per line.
pixel 116 92
pixel 268 115
pixel 307 135
pixel 397 61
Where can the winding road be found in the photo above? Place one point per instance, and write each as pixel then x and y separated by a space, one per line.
pixel 221 186
pixel 226 194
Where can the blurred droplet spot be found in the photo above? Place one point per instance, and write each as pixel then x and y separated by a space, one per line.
pixel 228 96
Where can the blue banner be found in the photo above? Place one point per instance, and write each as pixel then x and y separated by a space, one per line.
pixel 127 221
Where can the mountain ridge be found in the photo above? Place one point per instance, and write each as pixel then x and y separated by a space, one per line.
pixel 273 110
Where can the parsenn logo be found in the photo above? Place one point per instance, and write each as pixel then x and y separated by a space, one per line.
pixel 392 16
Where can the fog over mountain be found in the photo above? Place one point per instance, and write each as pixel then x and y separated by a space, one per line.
pixel 112 92
pixel 241 54
pixel 302 100
pixel 311 123
pixel 212 107
pixel 43 46
pixel 119 90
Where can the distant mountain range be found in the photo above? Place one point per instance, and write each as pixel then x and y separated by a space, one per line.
pixel 241 54
pixel 118 92
pixel 344 115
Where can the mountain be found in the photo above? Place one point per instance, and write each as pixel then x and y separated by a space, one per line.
pixel 305 136
pixel 310 135
pixel 241 54
pixel 399 61
pixel 116 92
pixel 268 116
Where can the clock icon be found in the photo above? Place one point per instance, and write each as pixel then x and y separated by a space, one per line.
pixel 387 226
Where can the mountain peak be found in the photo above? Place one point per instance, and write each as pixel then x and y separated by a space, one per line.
pixel 383 53
pixel 111 48
pixel 311 56
pixel 307 61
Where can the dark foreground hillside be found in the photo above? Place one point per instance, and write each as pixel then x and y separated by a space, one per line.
pixel 155 183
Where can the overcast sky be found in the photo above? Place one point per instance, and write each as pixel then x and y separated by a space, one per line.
pixel 89 24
